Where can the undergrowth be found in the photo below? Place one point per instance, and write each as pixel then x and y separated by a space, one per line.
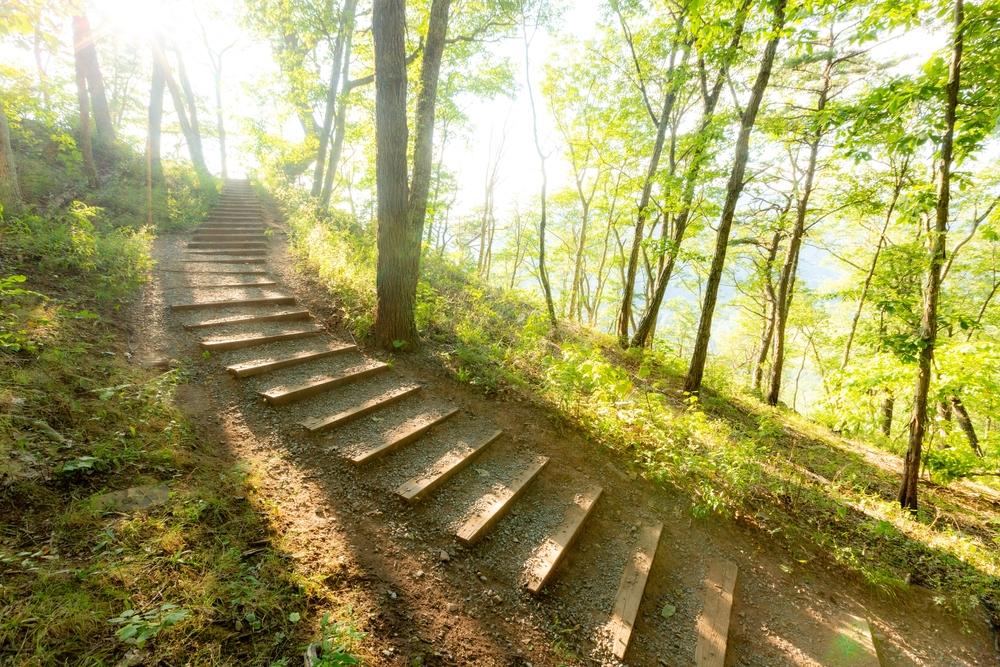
pixel 730 453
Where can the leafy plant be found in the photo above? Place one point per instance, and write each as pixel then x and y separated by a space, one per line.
pixel 138 628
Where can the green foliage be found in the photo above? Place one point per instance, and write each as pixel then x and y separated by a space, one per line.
pixel 138 628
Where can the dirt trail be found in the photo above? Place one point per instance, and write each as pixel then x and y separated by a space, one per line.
pixel 422 596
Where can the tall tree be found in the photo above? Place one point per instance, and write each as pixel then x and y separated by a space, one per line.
pixel 10 187
pixel 191 136
pixel 340 54
pixel 85 53
pixel 932 281
pixel 734 188
pixel 86 132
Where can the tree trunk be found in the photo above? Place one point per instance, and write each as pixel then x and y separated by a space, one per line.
pixel 770 300
pixel 83 101
pixel 696 372
pixel 219 122
pixel 644 330
pixel 10 188
pixel 86 57
pixel 155 124
pixel 346 23
pixel 339 123
pixel 965 423
pixel 394 323
pixel 191 102
pixel 928 321
pixel 193 141
pixel 888 406
pixel 786 284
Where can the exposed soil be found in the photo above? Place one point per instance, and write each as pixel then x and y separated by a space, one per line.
pixel 420 595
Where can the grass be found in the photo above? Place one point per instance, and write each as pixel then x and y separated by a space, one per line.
pixel 731 454
pixel 196 577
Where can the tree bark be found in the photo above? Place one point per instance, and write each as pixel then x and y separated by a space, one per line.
pixel 191 102
pixel 965 423
pixel 394 323
pixel 10 187
pixel 83 102
pixel 340 122
pixel 887 409
pixel 346 23
pixel 932 284
pixel 696 371
pixel 193 140
pixel 770 300
pixel 643 331
pixel 786 284
pixel 86 57
pixel 155 124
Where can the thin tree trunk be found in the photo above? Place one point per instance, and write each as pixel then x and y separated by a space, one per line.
pixel 786 284
pixel 192 105
pixel 696 372
pixel 339 123
pixel 10 187
pixel 643 332
pixel 86 141
pixel 928 322
pixel 887 409
pixel 394 323
pixel 155 124
pixel 86 57
pixel 770 300
pixel 346 24
pixel 965 423
pixel 542 272
pixel 193 141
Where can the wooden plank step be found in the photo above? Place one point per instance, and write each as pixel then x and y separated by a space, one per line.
pixel 256 367
pixel 215 253
pixel 228 237
pixel 251 341
pixel 230 230
pixel 262 283
pixel 484 519
pixel 234 260
pixel 631 588
pixel 283 316
pixel 713 623
pixel 557 545
pixel 321 384
pixel 401 439
pixel 226 245
pixel 232 303
pixel 246 272
pixel 344 416
pixel 450 463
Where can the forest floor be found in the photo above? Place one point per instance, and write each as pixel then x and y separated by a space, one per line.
pixel 399 576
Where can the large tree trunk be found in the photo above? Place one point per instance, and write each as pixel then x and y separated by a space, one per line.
pixel 346 23
pixel 965 423
pixel 932 285
pixel 644 330
pixel 786 284
pixel 86 58
pixel 86 140
pixel 696 372
pixel 10 188
pixel 394 323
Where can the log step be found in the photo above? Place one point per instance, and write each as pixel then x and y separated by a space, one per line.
pixel 247 272
pixel 321 384
pixel 398 440
pixel 241 253
pixel 631 588
pixel 446 467
pixel 713 623
pixel 229 228
pixel 283 316
pixel 231 303
pixel 199 237
pixel 262 283
pixel 555 546
pixel 249 368
pixel 235 260
pixel 484 519
pixel 226 245
pixel 251 341
pixel 344 416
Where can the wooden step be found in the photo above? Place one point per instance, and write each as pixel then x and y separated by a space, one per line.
pixel 283 316
pixel 233 303
pixel 251 341
pixel 631 588
pixel 555 546
pixel 226 245
pixel 258 366
pixel 230 227
pixel 484 519
pixel 229 232
pixel 235 260
pixel 713 623
pixel 263 283
pixel 199 237
pixel 216 253
pixel 344 416
pixel 209 272
pixel 321 384
pixel 446 467
pixel 400 439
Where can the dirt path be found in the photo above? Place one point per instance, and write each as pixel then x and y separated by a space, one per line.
pixel 425 598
